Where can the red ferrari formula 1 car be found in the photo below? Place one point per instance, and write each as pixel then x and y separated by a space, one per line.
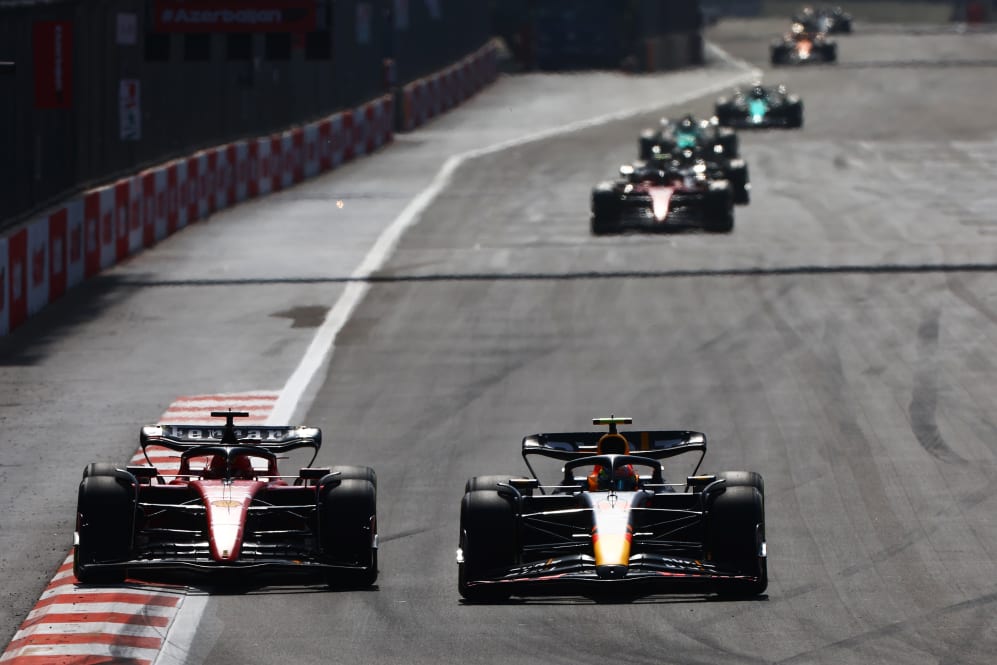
pixel 227 508
pixel 613 523
pixel 667 195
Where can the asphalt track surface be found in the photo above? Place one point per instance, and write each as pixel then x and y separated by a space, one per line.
pixel 839 341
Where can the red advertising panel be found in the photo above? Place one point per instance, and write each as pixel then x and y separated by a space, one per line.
pixel 91 233
pixel 149 213
pixel 193 190
pixel 298 152
pixel 235 16
pixel 52 46
pixel 253 173
pixel 275 165
pixel 17 263
pixel 349 150
pixel 75 264
pixel 4 299
pixel 325 145
pixel 58 236
pixel 172 199
pixel 38 265
pixel 122 196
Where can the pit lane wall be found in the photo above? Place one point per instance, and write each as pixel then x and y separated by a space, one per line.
pixel 75 240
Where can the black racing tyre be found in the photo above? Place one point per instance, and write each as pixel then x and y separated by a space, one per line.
pixel 831 52
pixel 487 542
pixel 601 226
pixel 738 177
pixel 724 223
pixel 105 521
pixel 796 115
pixel 720 211
pixel 727 138
pixel 348 472
pixel 735 537
pixel 485 482
pixel 348 532
pixel 605 211
pixel 743 479
pixel 100 469
pixel 645 144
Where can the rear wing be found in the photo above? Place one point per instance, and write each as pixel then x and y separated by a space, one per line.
pixel 275 439
pixel 655 444
pixel 649 444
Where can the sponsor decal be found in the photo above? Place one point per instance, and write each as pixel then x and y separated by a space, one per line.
pixel 52 43
pixel 235 16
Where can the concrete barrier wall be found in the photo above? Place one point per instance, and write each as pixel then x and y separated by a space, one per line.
pixel 64 246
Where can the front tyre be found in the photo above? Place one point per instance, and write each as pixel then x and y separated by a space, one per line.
pixel 105 521
pixel 348 532
pixel 735 538
pixel 487 543
pixel 605 211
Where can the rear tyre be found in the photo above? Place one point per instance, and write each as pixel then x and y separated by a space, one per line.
pixel 485 483
pixel 739 183
pixel 736 538
pixel 347 472
pixel 348 532
pixel 727 138
pixel 487 542
pixel 720 211
pixel 645 144
pixel 100 469
pixel 743 479
pixel 105 520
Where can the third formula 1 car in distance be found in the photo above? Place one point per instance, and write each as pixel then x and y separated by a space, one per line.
pixel 612 522
pixel 760 106
pixel 801 47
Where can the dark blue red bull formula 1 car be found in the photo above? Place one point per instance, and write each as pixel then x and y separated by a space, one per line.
pixel 612 522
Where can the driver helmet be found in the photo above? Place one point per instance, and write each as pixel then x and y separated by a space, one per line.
pixel 241 468
pixel 625 479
